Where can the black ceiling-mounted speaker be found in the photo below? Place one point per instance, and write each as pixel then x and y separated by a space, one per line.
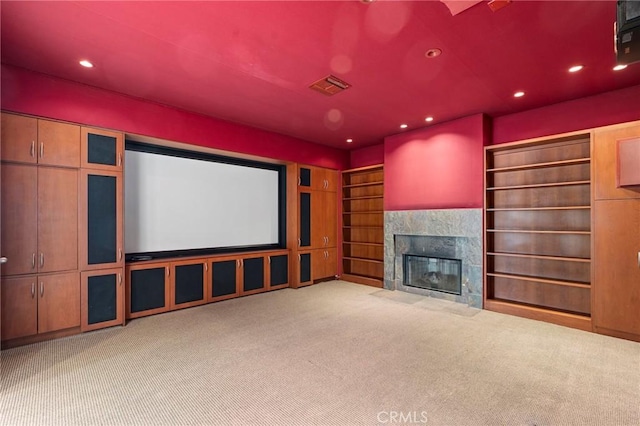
pixel 627 40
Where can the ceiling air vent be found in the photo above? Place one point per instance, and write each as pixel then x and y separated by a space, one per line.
pixel 330 85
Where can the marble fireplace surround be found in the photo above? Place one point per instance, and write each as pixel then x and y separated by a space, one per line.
pixel 454 233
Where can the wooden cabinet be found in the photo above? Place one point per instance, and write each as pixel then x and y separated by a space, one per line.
pixel 616 286
pixel 363 225
pixel 39 219
pixel 102 149
pixel 102 298
pixel 158 286
pixel 617 268
pixel 538 229
pixel 605 156
pixel 38 304
pixel 32 140
pixel 317 224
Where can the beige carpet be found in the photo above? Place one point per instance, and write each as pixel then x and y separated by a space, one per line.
pixel 332 354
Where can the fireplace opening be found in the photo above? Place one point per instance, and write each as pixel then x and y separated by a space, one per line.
pixel 433 273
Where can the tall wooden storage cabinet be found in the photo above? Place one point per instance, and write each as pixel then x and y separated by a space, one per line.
pixel 316 225
pixel 101 228
pixel 616 299
pixel 41 282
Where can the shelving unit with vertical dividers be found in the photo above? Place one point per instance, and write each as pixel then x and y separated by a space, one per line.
pixel 538 229
pixel 363 225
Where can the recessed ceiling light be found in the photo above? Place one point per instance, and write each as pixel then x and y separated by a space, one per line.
pixel 349 140
pixel 404 126
pixel 518 94
pixel 433 53
pixel 619 67
pixel 428 119
pixel 575 68
pixel 86 63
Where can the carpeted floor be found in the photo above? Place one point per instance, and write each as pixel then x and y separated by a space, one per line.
pixel 332 354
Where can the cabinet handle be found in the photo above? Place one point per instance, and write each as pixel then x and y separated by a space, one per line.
pixel 33 148
pixel 41 260
pixel 241 262
pixel 299 181
pixel 119 159
pixel 33 290
pixel 269 257
pixel 33 261
pixel 41 289
pixel 41 149
pixel 206 267
pixel 168 271
pixel 119 254
pixel 299 242
pixel 639 259
pixel 120 278
pixel 237 263
pixel 299 258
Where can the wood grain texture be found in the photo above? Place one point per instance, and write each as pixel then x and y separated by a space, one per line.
pixel 605 161
pixel 19 307
pixel 58 301
pixel 19 138
pixel 58 144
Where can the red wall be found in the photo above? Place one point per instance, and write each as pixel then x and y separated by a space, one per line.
pixel 37 94
pixel 436 167
pixel 608 108
pixel 368 156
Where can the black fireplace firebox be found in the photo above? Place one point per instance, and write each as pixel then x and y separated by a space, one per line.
pixel 433 273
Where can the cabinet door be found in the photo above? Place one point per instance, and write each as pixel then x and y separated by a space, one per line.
pixel 324 263
pixel 58 144
pixel 305 219
pixel 189 283
pixel 605 162
pixel 330 219
pixel 331 180
pixel 253 273
pixel 19 138
pixel 223 279
pixel 102 149
pixel 58 301
pixel 100 219
pixel 19 307
pixel 305 268
pixel 19 218
pixel 278 271
pixel 148 289
pixel 57 219
pixel 102 299
pixel 617 267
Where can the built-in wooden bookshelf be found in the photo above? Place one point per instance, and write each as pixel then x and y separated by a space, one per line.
pixel 538 229
pixel 363 225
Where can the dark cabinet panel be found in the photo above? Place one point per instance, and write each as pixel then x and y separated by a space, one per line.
pixel 278 270
pixel 147 290
pixel 188 284
pixel 102 233
pixel 253 274
pixel 305 267
pixel 305 219
pixel 224 278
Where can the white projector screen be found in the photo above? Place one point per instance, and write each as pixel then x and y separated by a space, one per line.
pixel 174 204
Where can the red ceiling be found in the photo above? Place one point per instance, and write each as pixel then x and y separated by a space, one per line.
pixel 252 62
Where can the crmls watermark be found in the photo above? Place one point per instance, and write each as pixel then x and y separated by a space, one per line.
pixel 402 417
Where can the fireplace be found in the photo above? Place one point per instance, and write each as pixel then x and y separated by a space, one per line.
pixel 433 273
pixel 452 237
